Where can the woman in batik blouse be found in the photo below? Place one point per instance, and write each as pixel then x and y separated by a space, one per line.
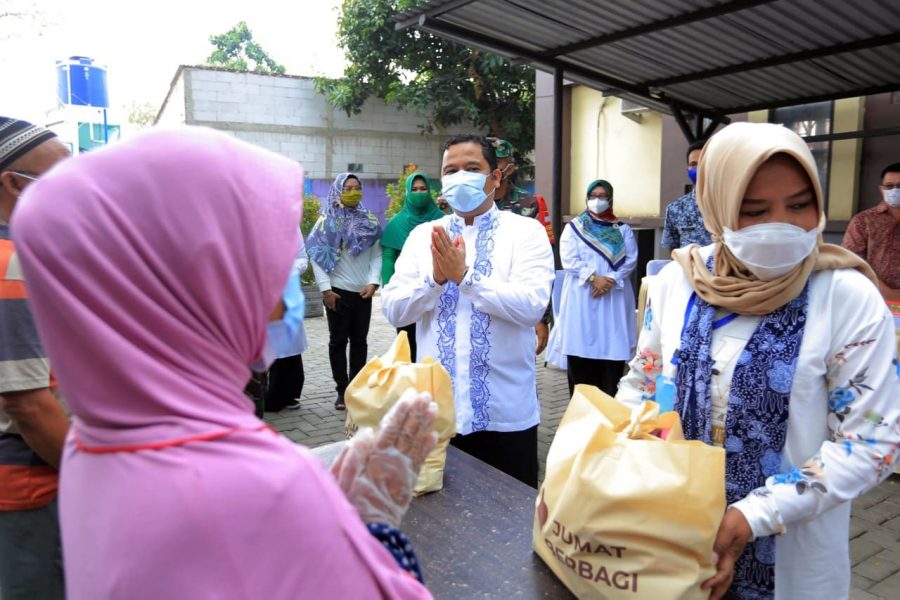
pixel 779 348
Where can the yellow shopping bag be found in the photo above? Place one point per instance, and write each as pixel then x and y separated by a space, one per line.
pixel 379 386
pixel 623 513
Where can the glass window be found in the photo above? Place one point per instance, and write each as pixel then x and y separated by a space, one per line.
pixel 808 120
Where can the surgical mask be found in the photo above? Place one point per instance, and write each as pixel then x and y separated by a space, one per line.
pixel 692 175
pixel 418 199
pixel 351 198
pixel 598 206
pixel 892 197
pixel 464 190
pixel 770 250
pixel 283 335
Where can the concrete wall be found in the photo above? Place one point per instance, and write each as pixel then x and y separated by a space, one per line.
pixel 285 114
pixel 174 108
pixel 843 179
pixel 543 139
pixel 608 145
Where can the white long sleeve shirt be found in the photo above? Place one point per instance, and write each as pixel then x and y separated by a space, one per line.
pixel 300 265
pixel 599 328
pixel 843 427
pixel 352 273
pixel 481 331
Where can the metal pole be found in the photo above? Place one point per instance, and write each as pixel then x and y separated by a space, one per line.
pixel 556 215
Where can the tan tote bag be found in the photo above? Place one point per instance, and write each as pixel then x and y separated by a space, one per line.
pixel 379 386
pixel 623 513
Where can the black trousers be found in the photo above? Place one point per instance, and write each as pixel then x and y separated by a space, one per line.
pixel 348 324
pixel 604 374
pixel 513 452
pixel 411 334
pixel 286 380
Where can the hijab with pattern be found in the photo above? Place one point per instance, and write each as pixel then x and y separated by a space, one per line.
pixel 601 232
pixel 341 228
pixel 729 161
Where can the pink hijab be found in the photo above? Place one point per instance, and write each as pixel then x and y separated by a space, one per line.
pixel 152 267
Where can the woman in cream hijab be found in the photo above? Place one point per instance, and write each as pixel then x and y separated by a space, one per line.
pixel 777 347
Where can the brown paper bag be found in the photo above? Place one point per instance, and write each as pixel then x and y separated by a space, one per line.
pixel 623 513
pixel 380 384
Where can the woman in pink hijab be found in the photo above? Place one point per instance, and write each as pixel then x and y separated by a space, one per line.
pixel 153 266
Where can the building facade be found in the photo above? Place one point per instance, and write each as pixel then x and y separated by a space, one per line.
pixel 642 153
pixel 284 114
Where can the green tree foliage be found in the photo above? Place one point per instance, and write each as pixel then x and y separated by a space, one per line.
pixel 446 83
pixel 141 115
pixel 235 49
pixel 311 204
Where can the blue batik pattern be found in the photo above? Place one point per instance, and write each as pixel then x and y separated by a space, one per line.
pixel 446 322
pixel 479 365
pixel 756 421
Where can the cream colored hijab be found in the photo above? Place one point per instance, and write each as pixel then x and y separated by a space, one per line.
pixel 728 163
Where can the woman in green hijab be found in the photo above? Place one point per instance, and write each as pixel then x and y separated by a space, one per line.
pixel 418 208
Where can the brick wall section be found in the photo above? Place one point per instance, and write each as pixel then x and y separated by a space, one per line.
pixel 286 115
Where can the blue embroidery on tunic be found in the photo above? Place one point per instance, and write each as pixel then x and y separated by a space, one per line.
pixel 756 421
pixel 446 343
pixel 479 366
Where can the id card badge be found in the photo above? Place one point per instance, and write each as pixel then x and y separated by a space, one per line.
pixel 665 393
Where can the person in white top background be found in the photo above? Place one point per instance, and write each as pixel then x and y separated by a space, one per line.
pixel 778 347
pixel 346 256
pixel 596 309
pixel 475 283
pixel 286 376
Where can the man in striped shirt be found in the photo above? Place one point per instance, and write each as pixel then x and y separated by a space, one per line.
pixel 33 424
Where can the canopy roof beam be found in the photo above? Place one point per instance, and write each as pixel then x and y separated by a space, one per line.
pixel 682 19
pixel 774 61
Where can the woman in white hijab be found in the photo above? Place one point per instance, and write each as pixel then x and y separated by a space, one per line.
pixel 777 347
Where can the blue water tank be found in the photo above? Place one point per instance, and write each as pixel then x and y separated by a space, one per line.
pixel 80 82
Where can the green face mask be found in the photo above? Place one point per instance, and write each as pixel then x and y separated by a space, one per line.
pixel 351 198
pixel 418 199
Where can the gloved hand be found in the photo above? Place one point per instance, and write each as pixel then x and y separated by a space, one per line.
pixel 377 469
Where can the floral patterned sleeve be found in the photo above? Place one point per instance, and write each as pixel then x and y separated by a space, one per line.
pixel 640 382
pixel 864 425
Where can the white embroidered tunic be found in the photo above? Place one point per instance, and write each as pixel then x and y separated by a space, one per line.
pixel 843 426
pixel 599 328
pixel 481 331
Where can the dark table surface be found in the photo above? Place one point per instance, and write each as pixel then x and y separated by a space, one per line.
pixel 473 538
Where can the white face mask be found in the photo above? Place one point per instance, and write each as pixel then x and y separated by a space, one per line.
pixel 892 197
pixel 464 190
pixel 598 205
pixel 770 250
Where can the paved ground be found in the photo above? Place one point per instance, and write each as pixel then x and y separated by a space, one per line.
pixel 874 528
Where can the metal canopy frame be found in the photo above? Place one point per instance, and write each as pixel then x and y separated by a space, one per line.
pixel 698 60
pixel 722 72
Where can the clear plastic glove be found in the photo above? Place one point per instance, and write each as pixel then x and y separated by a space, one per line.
pixel 377 469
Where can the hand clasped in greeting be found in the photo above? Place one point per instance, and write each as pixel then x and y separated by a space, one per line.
pixel 448 257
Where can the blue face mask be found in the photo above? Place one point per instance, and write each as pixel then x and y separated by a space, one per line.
pixel 692 175
pixel 464 190
pixel 282 335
